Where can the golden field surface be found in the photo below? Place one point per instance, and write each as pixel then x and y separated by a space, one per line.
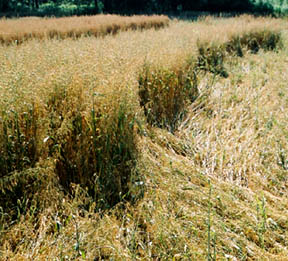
pixel 163 144
pixel 23 29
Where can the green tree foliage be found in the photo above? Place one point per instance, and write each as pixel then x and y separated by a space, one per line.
pixel 79 7
pixel 4 5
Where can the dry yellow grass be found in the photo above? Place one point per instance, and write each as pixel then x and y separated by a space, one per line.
pixel 20 30
pixel 234 134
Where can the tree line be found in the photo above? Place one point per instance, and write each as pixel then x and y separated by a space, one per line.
pixel 136 6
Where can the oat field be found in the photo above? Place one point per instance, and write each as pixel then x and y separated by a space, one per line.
pixel 165 143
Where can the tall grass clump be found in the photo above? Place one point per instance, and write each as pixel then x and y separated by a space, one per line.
pixel 93 143
pixel 18 139
pixel 165 94
pixel 98 151
pixel 25 175
pixel 78 145
pixel 211 58
pixel 212 55
pixel 253 41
